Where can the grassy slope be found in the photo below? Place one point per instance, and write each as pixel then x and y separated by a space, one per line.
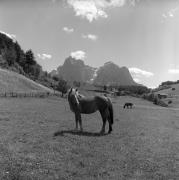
pixel 170 91
pixel 144 143
pixel 14 82
pixel 173 95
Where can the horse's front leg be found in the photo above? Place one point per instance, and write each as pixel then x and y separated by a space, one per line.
pixel 76 121
pixel 80 122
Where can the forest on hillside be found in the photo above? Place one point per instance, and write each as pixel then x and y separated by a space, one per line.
pixel 14 58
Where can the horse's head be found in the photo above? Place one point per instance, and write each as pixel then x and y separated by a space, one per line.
pixel 73 91
pixel 73 98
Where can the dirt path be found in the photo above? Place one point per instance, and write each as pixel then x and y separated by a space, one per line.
pixel 143 145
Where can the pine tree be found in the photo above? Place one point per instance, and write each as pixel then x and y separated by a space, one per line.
pixel 30 60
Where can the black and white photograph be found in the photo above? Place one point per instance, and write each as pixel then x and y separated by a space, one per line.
pixel 89 89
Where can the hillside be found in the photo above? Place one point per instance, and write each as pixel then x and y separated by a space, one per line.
pixel 172 94
pixel 14 58
pixel 169 91
pixel 13 82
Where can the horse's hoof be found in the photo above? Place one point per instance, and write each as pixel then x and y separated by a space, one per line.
pixel 109 132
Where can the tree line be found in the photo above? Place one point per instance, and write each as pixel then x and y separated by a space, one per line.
pixel 127 90
pixel 12 57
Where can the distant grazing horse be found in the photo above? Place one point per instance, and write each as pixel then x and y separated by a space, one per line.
pixel 128 105
pixel 80 104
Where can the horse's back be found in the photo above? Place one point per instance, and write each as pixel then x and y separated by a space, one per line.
pixel 102 102
pixel 88 105
pixel 92 104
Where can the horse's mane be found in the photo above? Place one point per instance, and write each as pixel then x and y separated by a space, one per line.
pixel 80 95
pixel 72 92
pixel 76 93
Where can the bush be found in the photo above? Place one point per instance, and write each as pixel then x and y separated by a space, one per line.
pixel 62 86
pixel 128 90
pixel 55 78
pixel 155 99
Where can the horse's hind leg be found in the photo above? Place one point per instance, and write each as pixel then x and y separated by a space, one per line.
pixel 110 126
pixel 104 118
pixel 109 121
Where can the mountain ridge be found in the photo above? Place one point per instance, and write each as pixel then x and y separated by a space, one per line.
pixel 108 74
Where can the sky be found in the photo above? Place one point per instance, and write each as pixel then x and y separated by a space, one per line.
pixel 142 35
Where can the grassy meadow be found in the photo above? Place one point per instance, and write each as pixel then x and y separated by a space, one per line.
pixel 38 141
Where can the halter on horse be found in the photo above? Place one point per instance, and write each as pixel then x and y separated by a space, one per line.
pixel 80 104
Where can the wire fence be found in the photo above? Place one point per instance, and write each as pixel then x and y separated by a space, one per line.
pixel 29 94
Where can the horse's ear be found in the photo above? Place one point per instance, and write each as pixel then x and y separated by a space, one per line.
pixel 70 90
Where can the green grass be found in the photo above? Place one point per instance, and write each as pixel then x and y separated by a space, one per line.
pixel 14 82
pixel 143 145
pixel 173 95
pixel 171 92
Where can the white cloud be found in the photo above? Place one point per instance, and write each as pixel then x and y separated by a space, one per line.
pixel 164 16
pixel 173 71
pixel 12 36
pixel 136 72
pixel 68 30
pixel 171 13
pixel 44 56
pixel 152 87
pixel 94 9
pixel 90 36
pixel 94 75
pixel 136 80
pixel 78 55
pixel 87 9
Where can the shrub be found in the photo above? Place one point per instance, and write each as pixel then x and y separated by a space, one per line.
pixel 62 86
pixel 155 99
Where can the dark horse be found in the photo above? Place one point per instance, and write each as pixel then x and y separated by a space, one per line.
pixel 80 104
pixel 128 105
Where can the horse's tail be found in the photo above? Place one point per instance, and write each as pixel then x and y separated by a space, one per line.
pixel 111 111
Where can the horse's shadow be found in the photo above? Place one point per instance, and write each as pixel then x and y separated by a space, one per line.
pixel 79 133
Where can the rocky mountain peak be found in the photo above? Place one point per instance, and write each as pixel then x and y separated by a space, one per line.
pixel 108 74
